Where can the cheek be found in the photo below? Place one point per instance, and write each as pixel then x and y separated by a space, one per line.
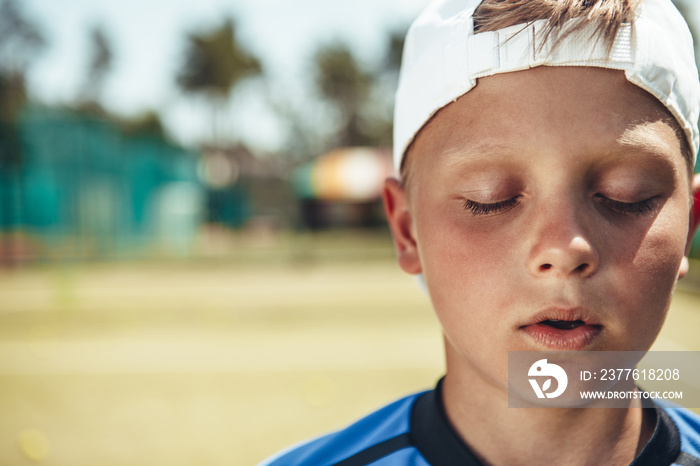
pixel 655 253
pixel 644 272
pixel 448 248
pixel 660 253
pixel 468 269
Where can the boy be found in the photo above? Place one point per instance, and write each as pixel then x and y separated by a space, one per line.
pixel 546 198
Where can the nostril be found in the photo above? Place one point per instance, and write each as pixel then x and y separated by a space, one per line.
pixel 582 268
pixel 545 266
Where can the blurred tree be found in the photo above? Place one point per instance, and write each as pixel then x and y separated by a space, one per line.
pixel 20 43
pixel 384 88
pixel 214 63
pixel 392 61
pixel 303 140
pixel 148 123
pixel 13 96
pixel 20 39
pixel 346 85
pixel 99 63
pixel 361 97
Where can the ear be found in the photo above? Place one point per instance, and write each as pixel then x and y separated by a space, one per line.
pixel 401 224
pixel 694 222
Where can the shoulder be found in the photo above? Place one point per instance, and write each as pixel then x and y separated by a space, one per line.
pixel 688 424
pixel 382 433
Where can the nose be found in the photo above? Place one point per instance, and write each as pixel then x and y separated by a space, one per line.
pixel 562 247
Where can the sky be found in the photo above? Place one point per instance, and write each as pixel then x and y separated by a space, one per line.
pixel 148 38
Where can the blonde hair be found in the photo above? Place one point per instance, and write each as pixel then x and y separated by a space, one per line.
pixel 608 15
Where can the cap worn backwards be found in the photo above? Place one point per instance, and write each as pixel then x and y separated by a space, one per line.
pixel 443 58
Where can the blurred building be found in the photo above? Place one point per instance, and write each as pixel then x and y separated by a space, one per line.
pixel 83 188
pixel 244 190
pixel 343 188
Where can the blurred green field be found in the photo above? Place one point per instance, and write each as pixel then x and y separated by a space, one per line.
pixel 216 361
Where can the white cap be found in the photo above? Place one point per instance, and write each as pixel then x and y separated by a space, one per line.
pixel 443 58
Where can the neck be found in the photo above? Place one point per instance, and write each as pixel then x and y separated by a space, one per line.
pixel 479 412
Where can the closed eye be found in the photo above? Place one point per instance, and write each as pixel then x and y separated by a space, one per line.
pixel 640 209
pixel 479 208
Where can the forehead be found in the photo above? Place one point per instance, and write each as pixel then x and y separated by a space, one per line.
pixel 575 108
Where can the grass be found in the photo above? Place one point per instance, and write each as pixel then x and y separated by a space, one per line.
pixel 215 361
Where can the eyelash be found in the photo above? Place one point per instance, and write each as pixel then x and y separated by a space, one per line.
pixel 640 209
pixel 478 208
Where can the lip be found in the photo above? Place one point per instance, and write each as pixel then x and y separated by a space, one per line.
pixel 577 338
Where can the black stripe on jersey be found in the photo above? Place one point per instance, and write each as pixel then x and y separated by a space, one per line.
pixel 378 451
pixel 684 459
pixel 433 435
pixel 664 446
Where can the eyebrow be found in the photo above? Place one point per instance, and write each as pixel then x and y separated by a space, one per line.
pixel 643 137
pixel 480 154
pixel 646 147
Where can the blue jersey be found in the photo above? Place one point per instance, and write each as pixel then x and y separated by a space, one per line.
pixel 414 431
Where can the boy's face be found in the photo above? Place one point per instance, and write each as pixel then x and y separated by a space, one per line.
pixel 541 195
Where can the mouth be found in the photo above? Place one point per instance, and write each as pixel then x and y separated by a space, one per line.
pixel 568 332
pixel 563 324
